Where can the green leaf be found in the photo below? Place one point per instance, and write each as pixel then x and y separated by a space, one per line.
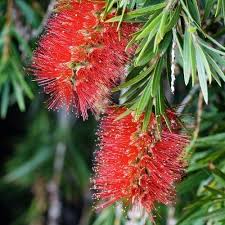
pixel 146 45
pixel 213 41
pixel 204 44
pixel 219 59
pixel 144 100
pixel 215 214
pixel 168 123
pixel 211 140
pixel 162 48
pixel 193 180
pixel 123 12
pixel 223 11
pixel 158 116
pixel 219 7
pixel 156 77
pixel 134 80
pixel 197 216
pixel 151 26
pixel 208 7
pixel 148 114
pixel 193 214
pixel 139 12
pixel 145 58
pixel 164 45
pixel 3 78
pixel 160 102
pixel 135 90
pixel 215 191
pixel 219 173
pixel 193 9
pixel 21 80
pixel 124 114
pixel 133 71
pixel 5 100
pixel 108 7
pixel 105 217
pixel 201 73
pixel 178 43
pixel 175 15
pixel 216 78
pixel 216 67
pixel 185 9
pixel 19 95
pixel 193 63
pixel 206 64
pixel 161 29
pixel 187 56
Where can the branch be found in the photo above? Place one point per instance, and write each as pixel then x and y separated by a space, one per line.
pixel 199 115
pixel 187 99
pixel 37 32
pixel 54 211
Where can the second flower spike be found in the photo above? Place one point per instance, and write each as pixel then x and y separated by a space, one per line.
pixel 136 167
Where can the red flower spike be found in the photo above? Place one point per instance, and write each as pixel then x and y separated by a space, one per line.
pixel 134 167
pixel 80 58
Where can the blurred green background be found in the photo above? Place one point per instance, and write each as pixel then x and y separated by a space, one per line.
pixel 46 157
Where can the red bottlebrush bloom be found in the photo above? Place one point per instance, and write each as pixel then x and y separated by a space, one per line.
pixel 80 58
pixel 135 167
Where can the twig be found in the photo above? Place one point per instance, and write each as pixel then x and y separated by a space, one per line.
pixel 54 211
pixel 187 99
pixel 191 148
pixel 199 116
pixel 173 63
pixel 55 206
pixel 40 198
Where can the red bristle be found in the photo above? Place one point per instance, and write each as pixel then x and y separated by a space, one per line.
pixel 136 166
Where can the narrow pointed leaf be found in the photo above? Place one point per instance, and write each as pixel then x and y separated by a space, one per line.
pixel 201 74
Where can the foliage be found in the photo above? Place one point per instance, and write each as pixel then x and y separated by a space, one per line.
pixel 176 37
pixel 13 48
pixel 167 25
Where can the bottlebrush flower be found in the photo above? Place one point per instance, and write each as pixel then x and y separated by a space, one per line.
pixel 134 167
pixel 80 58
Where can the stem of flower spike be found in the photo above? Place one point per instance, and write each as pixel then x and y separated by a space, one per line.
pixel 137 215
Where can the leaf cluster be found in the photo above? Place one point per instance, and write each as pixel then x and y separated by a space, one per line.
pixel 169 28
